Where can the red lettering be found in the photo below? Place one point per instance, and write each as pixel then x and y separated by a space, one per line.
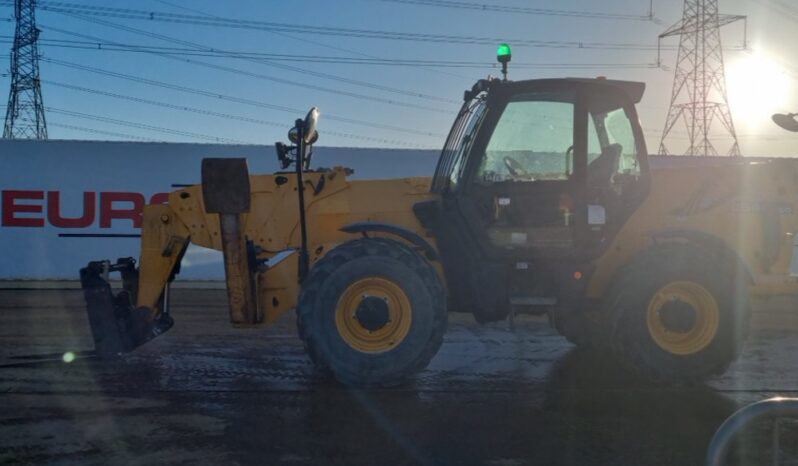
pixel 109 213
pixel 54 211
pixel 11 208
pixel 159 198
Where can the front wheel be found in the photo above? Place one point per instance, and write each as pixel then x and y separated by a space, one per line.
pixel 679 313
pixel 373 312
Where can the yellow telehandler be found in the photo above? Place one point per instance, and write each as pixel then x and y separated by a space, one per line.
pixel 542 202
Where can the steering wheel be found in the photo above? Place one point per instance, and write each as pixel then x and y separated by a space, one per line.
pixel 516 169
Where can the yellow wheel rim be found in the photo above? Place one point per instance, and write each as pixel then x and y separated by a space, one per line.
pixel 683 318
pixel 373 315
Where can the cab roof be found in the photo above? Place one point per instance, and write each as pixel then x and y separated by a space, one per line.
pixel 632 89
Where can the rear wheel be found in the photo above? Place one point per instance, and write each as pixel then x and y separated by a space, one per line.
pixel 679 313
pixel 372 311
pixel 582 328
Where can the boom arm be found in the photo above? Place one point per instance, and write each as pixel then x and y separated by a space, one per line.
pixel 164 239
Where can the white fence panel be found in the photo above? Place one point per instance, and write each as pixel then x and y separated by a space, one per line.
pixel 67 202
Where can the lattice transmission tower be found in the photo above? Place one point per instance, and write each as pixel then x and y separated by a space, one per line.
pixel 25 111
pixel 699 96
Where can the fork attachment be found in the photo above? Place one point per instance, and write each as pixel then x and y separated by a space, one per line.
pixel 117 326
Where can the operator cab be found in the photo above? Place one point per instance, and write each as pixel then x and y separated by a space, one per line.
pixel 536 176
pixel 550 166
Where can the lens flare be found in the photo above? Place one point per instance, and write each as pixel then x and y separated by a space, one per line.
pixel 758 87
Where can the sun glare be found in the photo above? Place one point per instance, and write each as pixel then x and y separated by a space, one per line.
pixel 758 87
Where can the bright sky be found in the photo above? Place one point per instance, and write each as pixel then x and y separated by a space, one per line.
pixel 240 105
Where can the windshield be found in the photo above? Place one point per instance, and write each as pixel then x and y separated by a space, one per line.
pixel 531 141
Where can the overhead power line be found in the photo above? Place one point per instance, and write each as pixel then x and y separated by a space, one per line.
pixel 153 16
pixel 293 68
pixel 306 40
pixel 242 72
pixel 137 48
pixel 325 75
pixel 133 124
pixel 238 100
pixel 524 10
pixel 100 131
pixel 781 7
pixel 184 108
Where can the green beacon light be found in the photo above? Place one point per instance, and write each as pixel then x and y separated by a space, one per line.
pixel 503 55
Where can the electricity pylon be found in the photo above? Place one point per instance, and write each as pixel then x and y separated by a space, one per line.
pixel 699 95
pixel 25 111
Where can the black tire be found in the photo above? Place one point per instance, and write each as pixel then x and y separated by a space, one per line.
pixel 327 283
pixel 583 329
pixel 627 308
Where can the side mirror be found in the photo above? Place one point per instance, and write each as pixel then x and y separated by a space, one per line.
pixel 293 136
pixel 786 121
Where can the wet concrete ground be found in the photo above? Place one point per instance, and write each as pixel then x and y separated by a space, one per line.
pixel 206 393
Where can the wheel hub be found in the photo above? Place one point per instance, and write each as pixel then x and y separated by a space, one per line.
pixel 683 317
pixel 372 313
pixel 678 316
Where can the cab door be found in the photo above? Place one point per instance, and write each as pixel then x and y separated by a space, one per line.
pixel 535 179
pixel 525 188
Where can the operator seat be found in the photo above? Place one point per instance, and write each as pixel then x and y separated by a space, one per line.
pixel 600 171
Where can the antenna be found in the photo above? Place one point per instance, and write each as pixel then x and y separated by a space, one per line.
pixel 699 86
pixel 25 111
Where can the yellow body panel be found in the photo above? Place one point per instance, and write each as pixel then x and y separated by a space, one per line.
pixel 727 202
pixel 748 207
pixel 273 225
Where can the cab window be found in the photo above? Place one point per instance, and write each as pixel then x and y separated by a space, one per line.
pixel 461 137
pixel 532 141
pixel 611 141
pixel 619 131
